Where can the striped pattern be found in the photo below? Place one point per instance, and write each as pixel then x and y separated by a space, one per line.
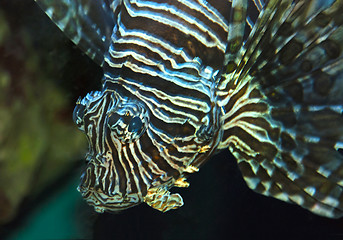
pixel 166 67
pixel 167 103
pixel 283 105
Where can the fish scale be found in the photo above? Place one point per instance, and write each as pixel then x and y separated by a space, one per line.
pixel 184 79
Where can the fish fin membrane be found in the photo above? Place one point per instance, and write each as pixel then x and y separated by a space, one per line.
pixel 88 23
pixel 243 17
pixel 283 102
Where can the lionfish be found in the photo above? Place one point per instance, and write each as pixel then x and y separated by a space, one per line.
pixel 184 79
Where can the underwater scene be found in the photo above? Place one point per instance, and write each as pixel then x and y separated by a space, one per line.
pixel 100 139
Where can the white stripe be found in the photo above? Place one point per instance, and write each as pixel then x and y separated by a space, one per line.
pixel 199 34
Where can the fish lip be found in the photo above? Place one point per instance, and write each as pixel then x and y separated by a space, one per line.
pixel 86 185
pixel 94 195
pixel 83 190
pixel 89 195
pixel 88 158
pixel 88 179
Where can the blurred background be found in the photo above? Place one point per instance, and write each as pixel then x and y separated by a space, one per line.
pixel 41 157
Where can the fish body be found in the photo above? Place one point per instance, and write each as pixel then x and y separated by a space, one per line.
pixel 185 79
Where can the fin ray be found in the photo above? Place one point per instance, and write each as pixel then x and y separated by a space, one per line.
pixel 287 133
pixel 87 23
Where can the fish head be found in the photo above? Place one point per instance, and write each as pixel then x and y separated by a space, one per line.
pixel 113 125
pixel 134 147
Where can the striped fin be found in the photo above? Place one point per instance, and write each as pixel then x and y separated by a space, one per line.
pixel 87 23
pixel 283 105
pixel 243 17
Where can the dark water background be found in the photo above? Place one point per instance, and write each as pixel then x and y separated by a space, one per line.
pixel 218 204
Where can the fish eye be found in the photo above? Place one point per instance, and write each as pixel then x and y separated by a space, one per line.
pixel 127 121
pixel 78 114
pixel 135 124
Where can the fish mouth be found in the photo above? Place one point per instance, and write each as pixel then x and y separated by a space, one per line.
pixel 96 194
pixel 104 203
